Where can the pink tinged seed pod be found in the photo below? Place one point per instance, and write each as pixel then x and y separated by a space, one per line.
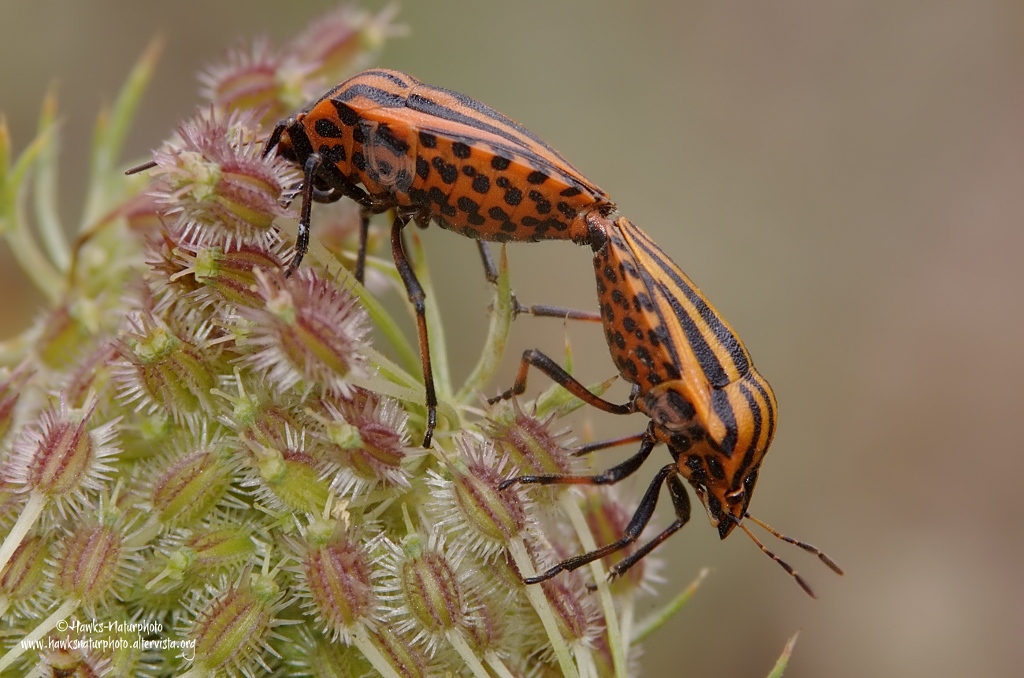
pixel 308 331
pixel 215 181
pixel 62 455
pixel 468 505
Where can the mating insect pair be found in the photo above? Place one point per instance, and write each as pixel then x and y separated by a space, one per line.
pixel 390 142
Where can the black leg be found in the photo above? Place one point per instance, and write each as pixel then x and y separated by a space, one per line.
pixel 609 477
pixel 364 229
pixel 561 377
pixel 546 311
pixel 418 300
pixel 637 523
pixel 490 270
pixel 302 239
pixel 681 503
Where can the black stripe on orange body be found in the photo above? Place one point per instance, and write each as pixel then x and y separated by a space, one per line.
pixel 452 159
pixel 696 381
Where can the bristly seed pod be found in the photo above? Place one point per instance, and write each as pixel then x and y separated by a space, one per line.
pixel 60 456
pixel 467 503
pixel 307 330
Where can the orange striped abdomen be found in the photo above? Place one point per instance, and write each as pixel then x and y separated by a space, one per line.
pixel 457 161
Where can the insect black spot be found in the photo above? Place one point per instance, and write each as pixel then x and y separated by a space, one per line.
pixel 358 161
pixel 476 219
pixel 570 192
pixel 513 197
pixel 358 135
pixel 422 167
pixel 437 195
pixel 601 287
pixel 654 378
pixel 608 313
pixel 509 227
pixel 715 467
pixel 543 207
pixel 467 205
pixel 627 365
pixel 328 129
pixel 348 116
pixel 333 154
pixel 536 177
pixel 620 341
pixel 644 356
pixel 529 222
pixel 498 214
pixel 696 468
pixel 629 269
pixel 556 224
pixel 535 195
pixel 418 196
pixel 567 211
pixel 449 173
pixel 609 273
pixel 448 210
pixel 460 150
pixel 481 184
pixel 628 323
pixel 500 163
pixel 670 371
pixel 620 299
pixel 428 140
pixel 502 182
pixel 470 232
pixel 469 170
pixel 658 335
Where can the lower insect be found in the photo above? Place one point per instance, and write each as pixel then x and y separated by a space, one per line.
pixel 692 377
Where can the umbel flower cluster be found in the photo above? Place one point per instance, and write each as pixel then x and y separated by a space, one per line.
pixel 209 469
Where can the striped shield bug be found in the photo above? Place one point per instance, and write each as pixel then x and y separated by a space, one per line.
pixel 692 377
pixel 390 142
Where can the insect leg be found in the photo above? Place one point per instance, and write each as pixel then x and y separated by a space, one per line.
pixel 637 523
pixel 418 300
pixel 561 377
pixel 681 503
pixel 605 444
pixel 302 239
pixel 540 310
pixel 364 230
pixel 609 477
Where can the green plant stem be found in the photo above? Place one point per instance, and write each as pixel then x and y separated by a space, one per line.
pixel 656 620
pixel 502 313
pixel 45 190
pixel 108 137
pixel 783 660
pixel 579 522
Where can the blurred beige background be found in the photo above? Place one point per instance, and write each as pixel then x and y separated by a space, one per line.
pixel 845 180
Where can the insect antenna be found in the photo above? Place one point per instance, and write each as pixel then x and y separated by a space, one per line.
pixel 810 548
pixel 785 566
pixel 140 168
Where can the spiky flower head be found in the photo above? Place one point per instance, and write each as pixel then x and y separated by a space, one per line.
pixel 215 182
pixel 306 331
pixel 64 454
